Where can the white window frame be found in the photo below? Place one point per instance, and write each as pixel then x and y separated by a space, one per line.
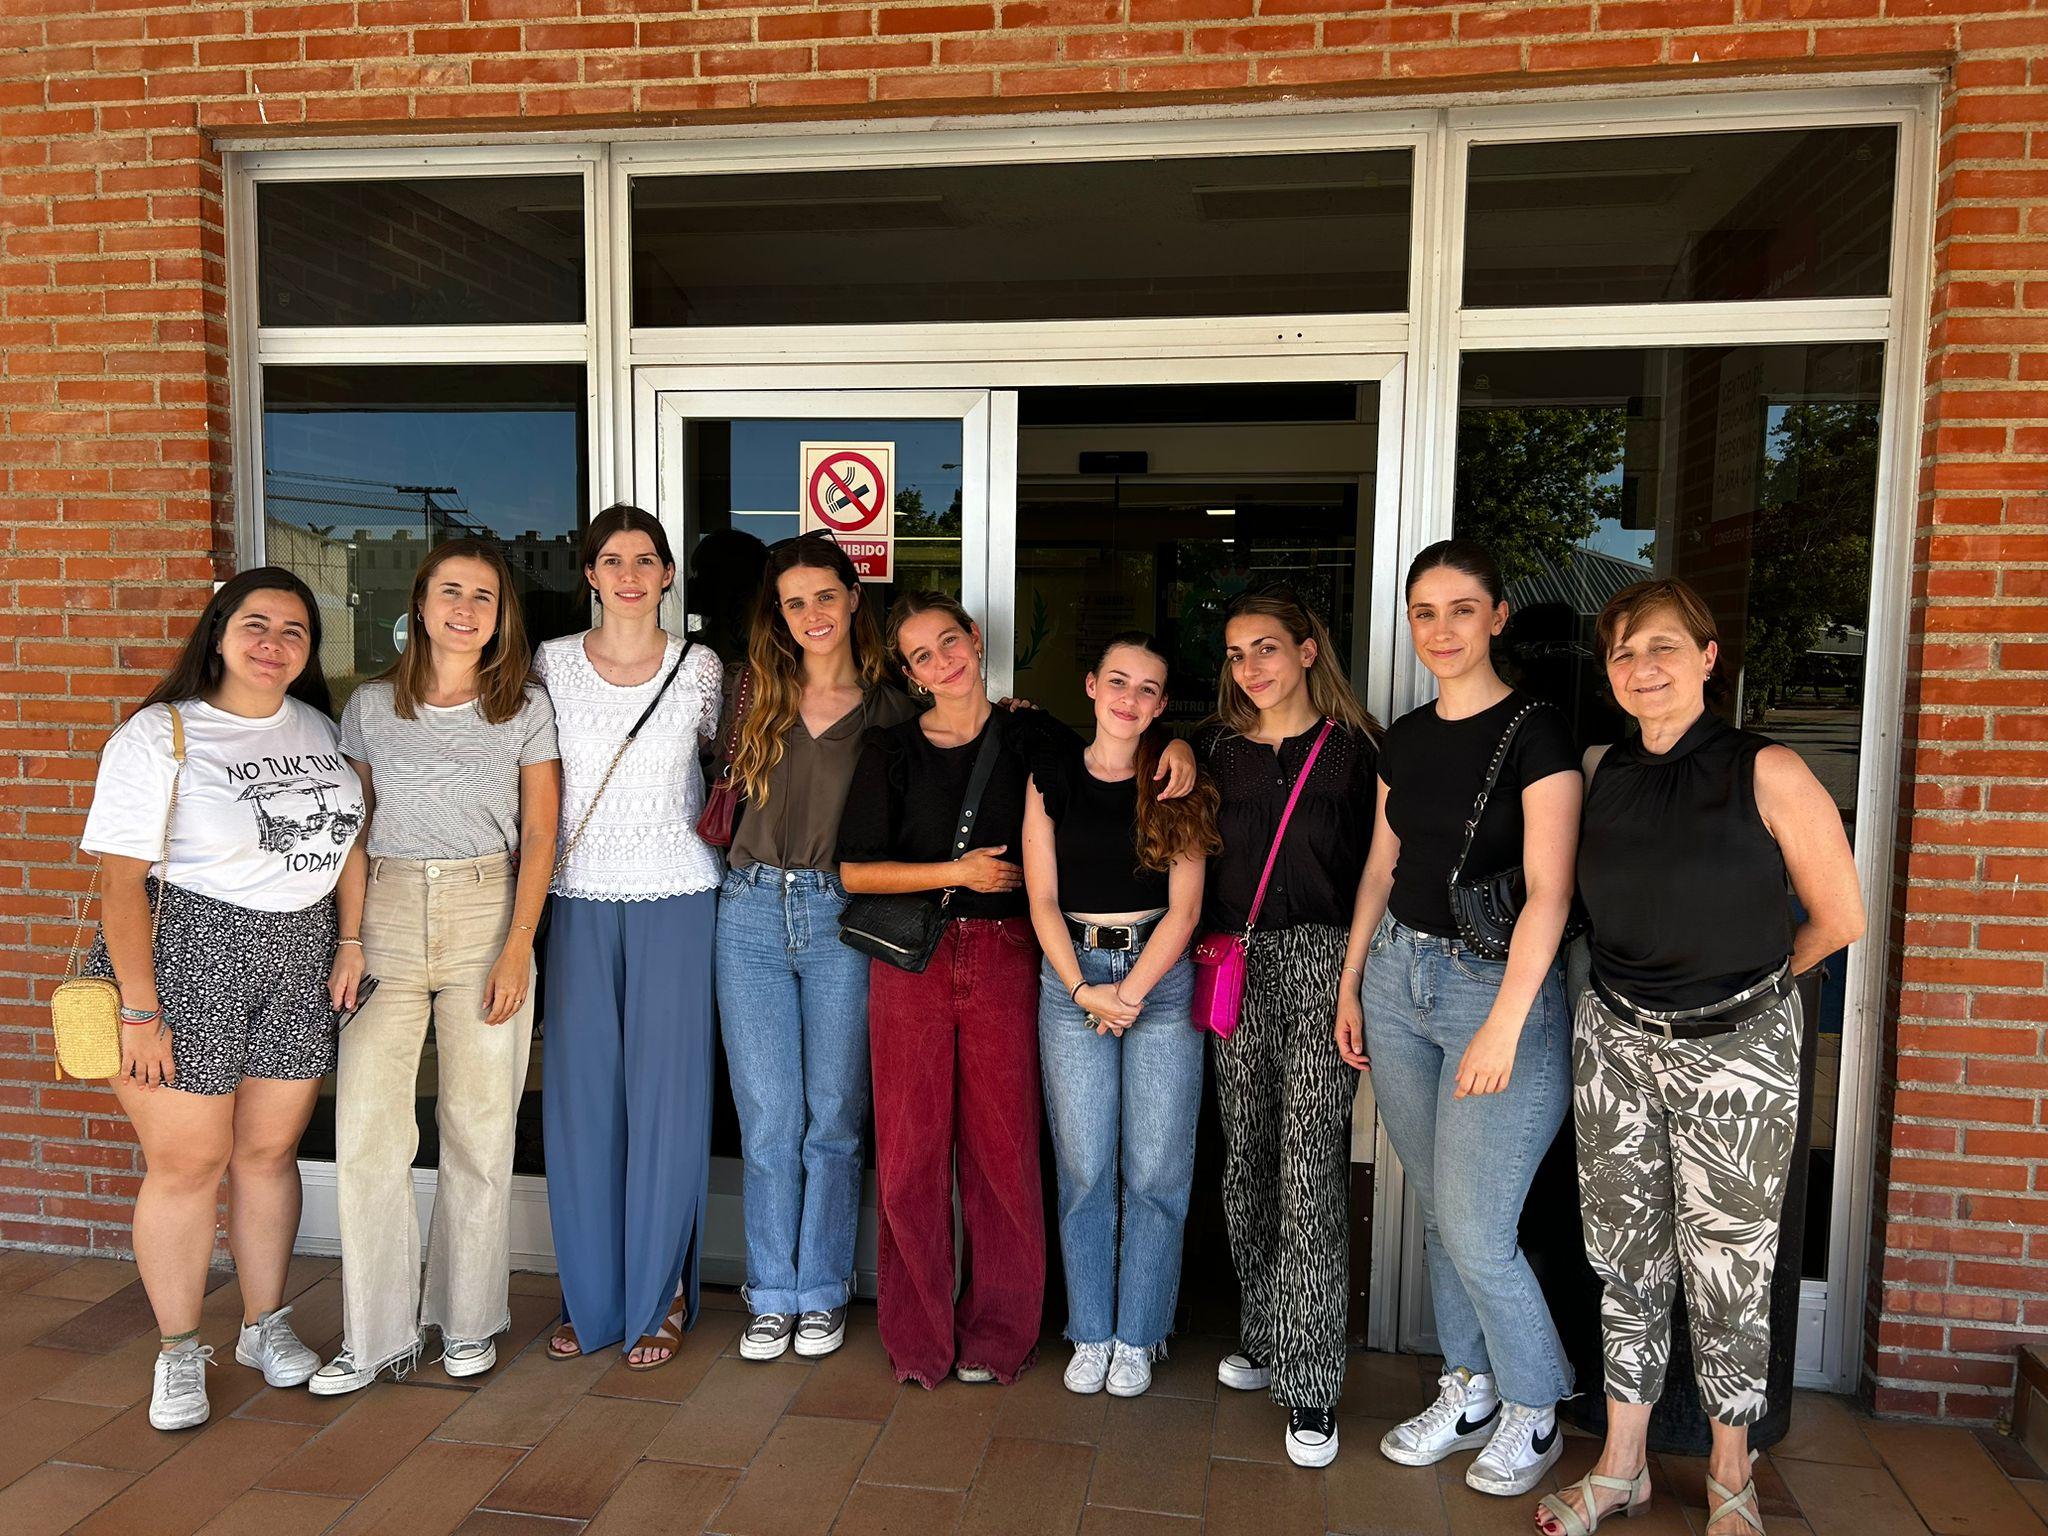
pixel 1427 339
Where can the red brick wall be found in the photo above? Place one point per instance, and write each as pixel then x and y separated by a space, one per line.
pixel 114 447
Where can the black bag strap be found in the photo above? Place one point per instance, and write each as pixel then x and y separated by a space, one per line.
pixel 977 782
pixel 1500 757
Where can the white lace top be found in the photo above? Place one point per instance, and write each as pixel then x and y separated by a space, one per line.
pixel 642 844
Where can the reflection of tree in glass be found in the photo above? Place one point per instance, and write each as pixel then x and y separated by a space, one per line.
pixel 1535 481
pixel 1810 547
pixel 913 521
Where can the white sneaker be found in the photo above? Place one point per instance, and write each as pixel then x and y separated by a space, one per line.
pixel 974 1375
pixel 177 1396
pixel 1247 1373
pixel 1526 1444
pixel 1311 1436
pixel 339 1375
pixel 269 1345
pixel 468 1357
pixel 1461 1417
pixel 1130 1371
pixel 1089 1368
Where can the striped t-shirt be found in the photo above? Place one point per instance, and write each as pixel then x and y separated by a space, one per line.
pixel 447 781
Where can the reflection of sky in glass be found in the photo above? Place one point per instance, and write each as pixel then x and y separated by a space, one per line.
pixel 1610 538
pixel 513 470
pixel 766 458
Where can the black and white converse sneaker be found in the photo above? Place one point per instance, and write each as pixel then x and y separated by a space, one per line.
pixel 1461 1417
pixel 767 1336
pixel 1526 1444
pixel 820 1331
pixel 1244 1371
pixel 1311 1436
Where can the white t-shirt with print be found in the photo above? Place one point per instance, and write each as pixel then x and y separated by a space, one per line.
pixel 266 811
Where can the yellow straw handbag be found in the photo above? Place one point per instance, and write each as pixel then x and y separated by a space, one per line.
pixel 85 1011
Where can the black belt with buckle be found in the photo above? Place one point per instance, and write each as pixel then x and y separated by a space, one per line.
pixel 1700 1023
pixel 1112 935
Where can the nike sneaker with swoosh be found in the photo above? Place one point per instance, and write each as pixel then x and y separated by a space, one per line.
pixel 1461 1418
pixel 1526 1444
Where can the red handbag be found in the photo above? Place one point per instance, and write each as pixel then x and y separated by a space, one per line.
pixel 720 817
pixel 1219 958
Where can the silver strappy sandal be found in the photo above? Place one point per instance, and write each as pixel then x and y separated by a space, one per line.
pixel 1572 1523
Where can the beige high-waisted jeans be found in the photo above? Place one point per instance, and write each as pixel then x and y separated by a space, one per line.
pixel 431 931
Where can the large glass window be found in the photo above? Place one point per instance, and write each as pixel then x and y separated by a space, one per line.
pixel 1792 214
pixel 466 250
pixel 1237 235
pixel 1751 472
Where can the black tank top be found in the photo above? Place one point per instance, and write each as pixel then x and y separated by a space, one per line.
pixel 1684 883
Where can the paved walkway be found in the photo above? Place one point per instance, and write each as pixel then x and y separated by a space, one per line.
pixel 709 1442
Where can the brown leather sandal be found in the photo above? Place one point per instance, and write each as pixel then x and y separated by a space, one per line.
pixel 668 1336
pixel 557 1350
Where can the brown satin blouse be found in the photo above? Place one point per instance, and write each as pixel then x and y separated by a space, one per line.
pixel 799 826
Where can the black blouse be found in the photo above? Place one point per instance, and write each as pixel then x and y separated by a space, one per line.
pixel 1315 878
pixel 904 803
pixel 1095 826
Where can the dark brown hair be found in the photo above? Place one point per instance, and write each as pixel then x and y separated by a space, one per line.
pixel 198 669
pixel 1468 556
pixel 623 517
pixel 1329 690
pixel 1628 608
pixel 909 605
pixel 1166 829
pixel 507 661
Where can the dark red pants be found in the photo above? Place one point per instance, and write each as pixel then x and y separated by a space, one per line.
pixel 955 1054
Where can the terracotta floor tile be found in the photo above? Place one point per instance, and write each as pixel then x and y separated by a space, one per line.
pixel 662 1496
pixel 295 1405
pixel 55 1498
pixel 1249 1498
pixel 2036 1494
pixel 1851 1501
pixel 30 1319
pixel 432 1491
pixel 21 1268
pixel 1027 1488
pixel 531 1317
pixel 32 1370
pixel 573 1471
pixel 1250 1426
pixel 2009 1455
pixel 528 1282
pixel 205 1476
pixel 730 1415
pixel 1364 1494
pixel 873 1511
pixel 1956 1487
pixel 1383 1386
pixel 97 1327
pixel 1189 1369
pixel 856 1381
pixel 524 1400
pixel 1825 1428
pixel 727 1299
pixel 672 1383
pixel 316 1316
pixel 800 1480
pixel 87 1280
pixel 35 1432
pixel 126 1442
pixel 353 1454
pixel 935 1439
pixel 1468 1513
pixel 1687 1479
pixel 118 1379
pixel 1102 1520
pixel 1038 1406
pixel 1154 1455
pixel 492 1522
pixel 264 1512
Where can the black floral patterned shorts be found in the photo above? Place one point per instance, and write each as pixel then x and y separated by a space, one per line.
pixel 244 992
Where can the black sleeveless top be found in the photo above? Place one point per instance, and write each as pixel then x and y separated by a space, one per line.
pixel 1095 827
pixel 1685 885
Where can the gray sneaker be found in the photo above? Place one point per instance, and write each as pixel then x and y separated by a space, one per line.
pixel 767 1336
pixel 819 1333
pixel 177 1397
pixel 468 1357
pixel 269 1345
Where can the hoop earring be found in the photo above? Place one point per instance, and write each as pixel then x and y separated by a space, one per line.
pixel 919 690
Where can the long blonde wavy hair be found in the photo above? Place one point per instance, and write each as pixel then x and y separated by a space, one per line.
pixel 775 660
pixel 1329 690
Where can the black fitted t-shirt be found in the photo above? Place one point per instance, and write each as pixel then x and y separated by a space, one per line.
pixel 1315 878
pixel 1433 769
pixel 1095 830
pixel 904 803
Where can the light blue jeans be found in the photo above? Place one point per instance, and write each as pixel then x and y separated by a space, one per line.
pixel 1123 1116
pixel 1470 1159
pixel 793 1007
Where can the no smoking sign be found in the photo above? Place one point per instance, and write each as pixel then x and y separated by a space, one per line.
pixel 850 489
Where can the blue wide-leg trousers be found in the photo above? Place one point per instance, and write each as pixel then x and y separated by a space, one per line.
pixel 626 1107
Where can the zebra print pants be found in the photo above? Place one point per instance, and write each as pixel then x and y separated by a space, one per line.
pixel 1285 1097
pixel 1683 1151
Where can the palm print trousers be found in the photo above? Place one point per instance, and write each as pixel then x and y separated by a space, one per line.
pixel 1683 1152
pixel 1285 1099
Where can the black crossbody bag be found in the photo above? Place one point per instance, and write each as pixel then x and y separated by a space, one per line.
pixel 1485 909
pixel 903 928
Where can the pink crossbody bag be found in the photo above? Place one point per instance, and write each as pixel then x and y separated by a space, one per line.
pixel 1220 957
